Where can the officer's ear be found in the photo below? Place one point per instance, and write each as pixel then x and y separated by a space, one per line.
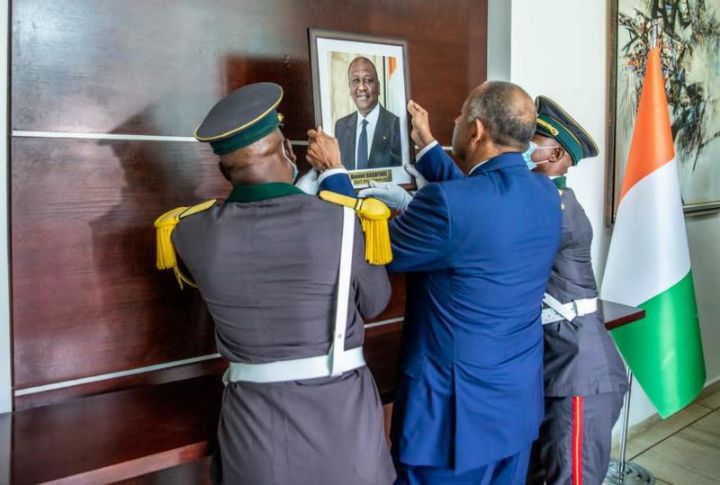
pixel 477 131
pixel 556 154
pixel 224 171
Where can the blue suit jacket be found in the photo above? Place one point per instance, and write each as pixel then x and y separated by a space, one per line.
pixel 478 252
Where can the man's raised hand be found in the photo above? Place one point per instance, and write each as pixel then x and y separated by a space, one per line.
pixel 323 151
pixel 420 133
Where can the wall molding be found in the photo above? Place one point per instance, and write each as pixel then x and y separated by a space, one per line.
pixel 112 375
pixel 113 136
pixel 125 137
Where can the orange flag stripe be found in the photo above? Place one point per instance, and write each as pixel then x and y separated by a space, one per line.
pixel 392 65
pixel 652 142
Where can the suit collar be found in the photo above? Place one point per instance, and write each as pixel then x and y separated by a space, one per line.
pixel 500 162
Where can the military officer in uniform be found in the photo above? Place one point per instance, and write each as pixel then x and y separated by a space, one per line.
pixel 584 376
pixel 477 248
pixel 285 279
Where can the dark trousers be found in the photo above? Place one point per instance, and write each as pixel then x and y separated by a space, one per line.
pixel 575 440
pixel 508 471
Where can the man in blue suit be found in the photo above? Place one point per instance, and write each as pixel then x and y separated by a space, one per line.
pixel 477 250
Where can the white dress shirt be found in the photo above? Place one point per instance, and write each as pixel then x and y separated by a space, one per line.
pixel 372 119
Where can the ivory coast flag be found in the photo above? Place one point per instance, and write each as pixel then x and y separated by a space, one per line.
pixel 649 263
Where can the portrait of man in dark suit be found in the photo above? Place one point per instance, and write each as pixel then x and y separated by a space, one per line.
pixel 369 137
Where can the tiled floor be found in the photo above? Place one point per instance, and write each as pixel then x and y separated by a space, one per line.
pixel 684 449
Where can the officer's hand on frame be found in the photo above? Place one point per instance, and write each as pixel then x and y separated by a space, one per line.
pixel 420 133
pixel 391 194
pixel 323 150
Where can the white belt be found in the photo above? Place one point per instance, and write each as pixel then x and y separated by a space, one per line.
pixel 292 370
pixel 338 360
pixel 557 311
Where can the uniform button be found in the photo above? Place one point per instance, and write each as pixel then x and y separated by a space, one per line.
pixel 562 206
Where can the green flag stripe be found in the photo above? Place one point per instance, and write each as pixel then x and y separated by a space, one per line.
pixel 664 351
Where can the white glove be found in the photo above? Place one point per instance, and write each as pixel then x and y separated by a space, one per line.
pixel 420 181
pixel 308 183
pixel 391 194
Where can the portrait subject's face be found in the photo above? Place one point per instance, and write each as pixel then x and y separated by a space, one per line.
pixel 364 85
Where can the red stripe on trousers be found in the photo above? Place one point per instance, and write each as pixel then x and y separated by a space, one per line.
pixel 577 440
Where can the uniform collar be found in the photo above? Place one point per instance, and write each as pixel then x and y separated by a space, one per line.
pixel 500 162
pixel 254 193
pixel 560 182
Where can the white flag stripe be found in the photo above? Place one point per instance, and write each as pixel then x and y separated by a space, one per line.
pixel 649 251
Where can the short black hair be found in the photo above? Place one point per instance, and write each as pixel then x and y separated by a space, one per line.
pixel 507 112
pixel 363 58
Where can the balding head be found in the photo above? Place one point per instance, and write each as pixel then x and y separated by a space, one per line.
pixel 507 112
pixel 497 117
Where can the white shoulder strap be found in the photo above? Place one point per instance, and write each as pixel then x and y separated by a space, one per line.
pixel 337 349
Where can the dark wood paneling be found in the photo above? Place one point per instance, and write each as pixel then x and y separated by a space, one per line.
pixel 382 351
pixel 87 298
pixel 88 65
pixel 102 439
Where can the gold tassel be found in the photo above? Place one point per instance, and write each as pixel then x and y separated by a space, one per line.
pixel 166 257
pixel 374 217
pixel 165 224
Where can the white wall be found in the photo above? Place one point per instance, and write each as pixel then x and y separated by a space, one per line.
pixel 558 48
pixel 499 38
pixel 5 358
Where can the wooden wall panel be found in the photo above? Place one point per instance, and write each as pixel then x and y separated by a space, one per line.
pixel 86 297
pixel 88 65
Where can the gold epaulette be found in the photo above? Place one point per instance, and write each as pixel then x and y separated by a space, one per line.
pixel 374 216
pixel 164 225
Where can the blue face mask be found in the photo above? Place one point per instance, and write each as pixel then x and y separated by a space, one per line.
pixel 527 154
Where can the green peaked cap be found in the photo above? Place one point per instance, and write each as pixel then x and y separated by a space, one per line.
pixel 241 118
pixel 554 122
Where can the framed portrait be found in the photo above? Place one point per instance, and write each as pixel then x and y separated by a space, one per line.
pixel 688 32
pixel 361 88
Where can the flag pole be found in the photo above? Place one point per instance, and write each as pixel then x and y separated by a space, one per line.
pixel 625 426
pixel 622 472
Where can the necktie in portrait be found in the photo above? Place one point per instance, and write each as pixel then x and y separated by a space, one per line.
pixel 362 152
